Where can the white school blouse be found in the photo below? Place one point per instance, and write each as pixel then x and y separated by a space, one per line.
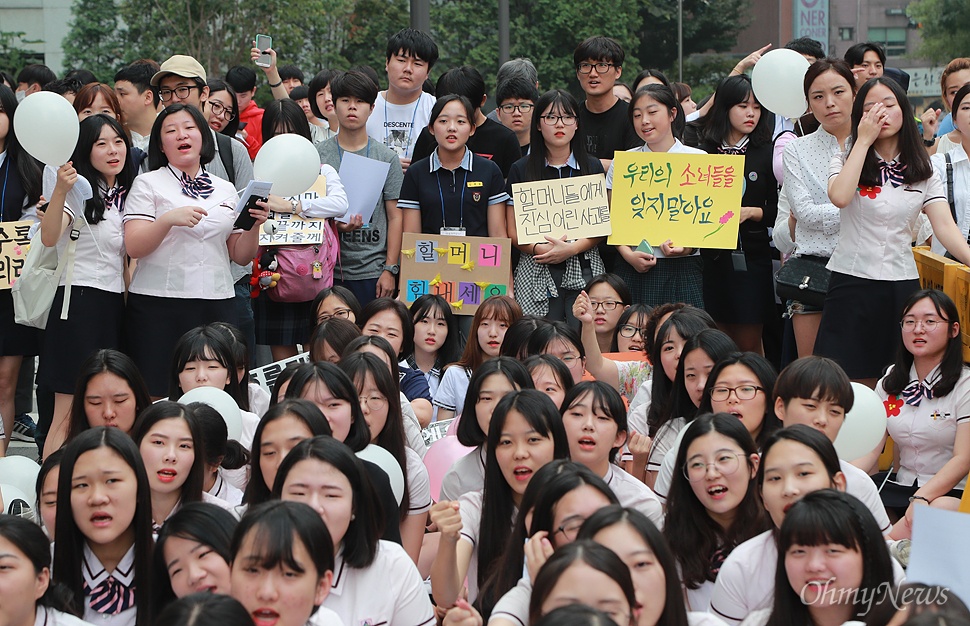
pixel 93 574
pixel 451 391
pixel 470 509
pixel 635 495
pixel 47 616
pixel 876 234
pixel 924 435
pixel 189 262
pixel 388 592
pixel 239 478
pixel 467 474
pixel 324 617
pixel 224 491
pixel 419 484
pixel 99 258
pixel 961 189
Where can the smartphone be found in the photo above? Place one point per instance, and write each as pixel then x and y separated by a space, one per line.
pixel 264 42
pixel 246 221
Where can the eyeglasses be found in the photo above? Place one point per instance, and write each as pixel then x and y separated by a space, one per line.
pixel 629 331
pixel 219 108
pixel 586 68
pixel 570 527
pixel 744 392
pixel 374 403
pixel 606 305
pixel 726 464
pixel 929 325
pixel 524 107
pixel 181 92
pixel 569 359
pixel 343 314
pixel 552 120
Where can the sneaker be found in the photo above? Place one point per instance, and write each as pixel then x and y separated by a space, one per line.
pixel 24 428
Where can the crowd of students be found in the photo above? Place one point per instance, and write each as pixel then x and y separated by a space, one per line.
pixel 634 456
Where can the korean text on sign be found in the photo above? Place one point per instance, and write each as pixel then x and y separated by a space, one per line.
pixel 574 207
pixel 14 243
pixel 693 200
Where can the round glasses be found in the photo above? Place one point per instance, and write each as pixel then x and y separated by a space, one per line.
pixel 744 392
pixel 374 403
pixel 219 108
pixel 929 325
pixel 726 463
pixel 180 92
pixel 570 527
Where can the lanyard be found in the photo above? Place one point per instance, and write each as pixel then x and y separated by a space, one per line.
pixel 3 194
pixel 414 112
pixel 461 207
pixel 340 151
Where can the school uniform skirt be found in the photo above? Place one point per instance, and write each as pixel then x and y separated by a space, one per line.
pixel 15 339
pixel 95 320
pixel 738 296
pixel 153 325
pixel 860 323
pixel 677 279
pixel 282 323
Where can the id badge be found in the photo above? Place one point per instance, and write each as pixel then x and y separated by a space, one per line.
pixel 739 262
pixel 451 231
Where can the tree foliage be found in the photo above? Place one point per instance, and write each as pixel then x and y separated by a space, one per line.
pixel 13 57
pixel 94 41
pixel 943 28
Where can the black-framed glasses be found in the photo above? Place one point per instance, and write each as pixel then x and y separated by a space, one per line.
pixel 744 392
pixel 219 108
pixel 586 68
pixel 552 120
pixel 524 107
pixel 606 305
pixel 630 331
pixel 929 325
pixel 726 464
pixel 343 314
pixel 570 527
pixel 181 92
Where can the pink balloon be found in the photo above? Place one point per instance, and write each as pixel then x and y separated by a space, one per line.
pixel 440 457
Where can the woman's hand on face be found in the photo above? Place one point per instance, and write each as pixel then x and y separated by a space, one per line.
pixel 446 516
pixel 583 308
pixel 66 177
pixel 187 216
pixel 870 124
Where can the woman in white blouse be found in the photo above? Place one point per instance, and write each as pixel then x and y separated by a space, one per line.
pixel 179 226
pixel 829 88
pixel 953 167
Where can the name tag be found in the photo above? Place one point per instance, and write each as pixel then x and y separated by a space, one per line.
pixel 451 231
pixel 476 183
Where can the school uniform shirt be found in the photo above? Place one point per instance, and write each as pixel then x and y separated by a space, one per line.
pixel 746 582
pixel 189 262
pixel 364 250
pixel 419 484
pixel 99 256
pixel 258 399
pixel 96 583
pixel 961 188
pixel 634 494
pixel 47 616
pixel 457 198
pixel 677 148
pixel 663 441
pixel 224 491
pixel 467 474
pixel 452 389
pixel 389 591
pixel 807 162
pixel 860 485
pixel 324 616
pixel 924 435
pixel 412 428
pixel 433 376
pixel 609 131
pixel 413 383
pixel 397 126
pixel 470 509
pixel 239 478
pixel 875 234
pixel 492 140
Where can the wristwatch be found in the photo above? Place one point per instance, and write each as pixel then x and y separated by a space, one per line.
pixel 296 206
pixel 394 269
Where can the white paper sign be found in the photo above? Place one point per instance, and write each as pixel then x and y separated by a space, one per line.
pixel 363 180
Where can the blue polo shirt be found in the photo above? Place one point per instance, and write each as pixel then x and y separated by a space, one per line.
pixel 453 198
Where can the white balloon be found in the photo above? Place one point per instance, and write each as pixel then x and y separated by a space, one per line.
pixel 20 472
pixel 221 402
pixel 383 459
pixel 864 425
pixel 290 162
pixel 47 127
pixel 777 82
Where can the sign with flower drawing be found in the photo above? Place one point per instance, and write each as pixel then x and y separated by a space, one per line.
pixel 693 200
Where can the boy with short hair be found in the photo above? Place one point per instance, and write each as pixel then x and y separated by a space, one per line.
pixel 369 253
pixel 139 102
pixel 243 80
pixel 404 109
pixel 603 116
pixel 291 76
pixel 516 98
pixel 32 79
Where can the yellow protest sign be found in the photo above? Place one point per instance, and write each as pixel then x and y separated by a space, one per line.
pixel 694 200
pixel 14 243
pixel 574 207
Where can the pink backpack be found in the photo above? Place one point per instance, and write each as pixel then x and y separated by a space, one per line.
pixel 304 270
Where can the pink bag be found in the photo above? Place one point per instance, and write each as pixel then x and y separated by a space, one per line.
pixel 305 270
